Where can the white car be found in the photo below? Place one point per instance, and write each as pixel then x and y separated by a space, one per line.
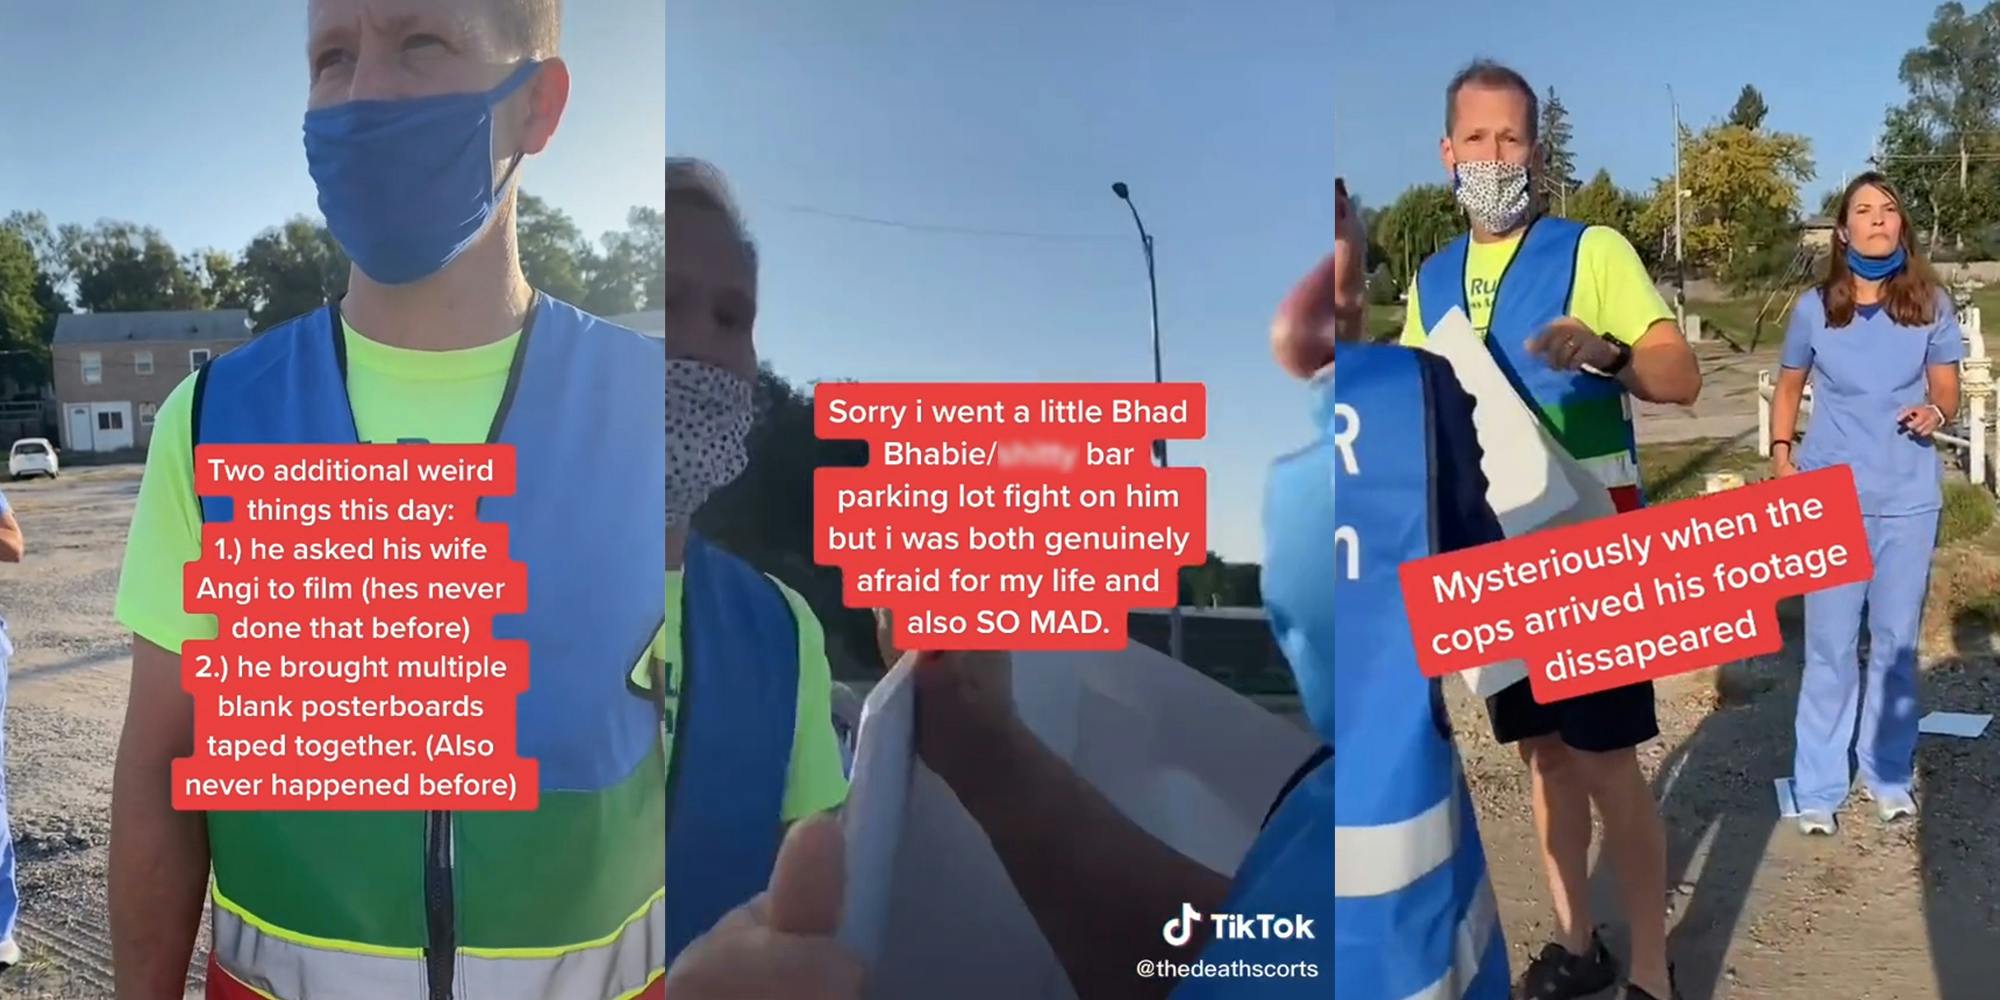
pixel 32 457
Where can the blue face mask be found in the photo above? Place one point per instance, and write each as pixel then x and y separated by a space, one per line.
pixel 1876 268
pixel 407 185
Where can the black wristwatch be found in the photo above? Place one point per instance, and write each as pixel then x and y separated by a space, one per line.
pixel 1624 357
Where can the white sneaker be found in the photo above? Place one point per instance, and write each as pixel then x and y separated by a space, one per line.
pixel 10 953
pixel 1816 821
pixel 1892 806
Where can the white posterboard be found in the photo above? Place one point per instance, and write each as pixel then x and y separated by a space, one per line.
pixel 1531 482
pixel 928 905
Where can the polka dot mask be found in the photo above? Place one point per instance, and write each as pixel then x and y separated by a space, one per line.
pixel 1495 194
pixel 709 413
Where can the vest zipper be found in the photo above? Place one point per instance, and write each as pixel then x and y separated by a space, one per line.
pixel 441 955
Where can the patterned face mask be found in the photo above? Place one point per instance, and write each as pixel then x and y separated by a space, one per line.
pixel 709 414
pixel 1494 193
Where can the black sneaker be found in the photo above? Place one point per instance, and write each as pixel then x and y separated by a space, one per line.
pixel 1635 993
pixel 1558 975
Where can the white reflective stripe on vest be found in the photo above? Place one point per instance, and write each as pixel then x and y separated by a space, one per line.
pixel 1612 470
pixel 1377 860
pixel 621 966
pixel 1475 933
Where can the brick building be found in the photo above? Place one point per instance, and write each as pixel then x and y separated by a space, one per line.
pixel 112 370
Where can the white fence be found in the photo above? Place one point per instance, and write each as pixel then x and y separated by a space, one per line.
pixel 1969 434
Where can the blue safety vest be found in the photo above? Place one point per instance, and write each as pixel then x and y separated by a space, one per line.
pixel 1587 414
pixel 1411 899
pixel 728 790
pixel 582 413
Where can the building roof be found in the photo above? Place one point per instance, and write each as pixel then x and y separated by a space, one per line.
pixel 117 327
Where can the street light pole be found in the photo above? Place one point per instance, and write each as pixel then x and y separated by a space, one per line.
pixel 1680 267
pixel 1159 446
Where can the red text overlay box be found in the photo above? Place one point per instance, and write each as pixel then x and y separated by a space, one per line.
pixel 1640 596
pixel 354 665
pixel 1010 516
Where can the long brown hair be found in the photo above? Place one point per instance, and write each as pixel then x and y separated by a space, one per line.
pixel 1910 297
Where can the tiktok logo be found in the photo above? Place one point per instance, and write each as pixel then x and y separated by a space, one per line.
pixel 1180 930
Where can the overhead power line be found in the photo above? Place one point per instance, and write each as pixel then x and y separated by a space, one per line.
pixel 921 227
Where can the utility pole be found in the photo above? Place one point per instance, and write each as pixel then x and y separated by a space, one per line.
pixel 1124 194
pixel 1680 266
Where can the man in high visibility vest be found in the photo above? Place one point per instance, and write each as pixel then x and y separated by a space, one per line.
pixel 419 116
pixel 1571 316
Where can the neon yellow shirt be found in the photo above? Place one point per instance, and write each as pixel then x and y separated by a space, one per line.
pixel 448 397
pixel 1611 293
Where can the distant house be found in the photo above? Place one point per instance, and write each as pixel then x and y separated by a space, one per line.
pixel 113 370
pixel 1817 232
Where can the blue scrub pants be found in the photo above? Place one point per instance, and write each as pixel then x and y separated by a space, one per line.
pixel 1832 689
pixel 10 897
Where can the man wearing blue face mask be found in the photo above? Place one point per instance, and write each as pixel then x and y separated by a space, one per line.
pixel 420 116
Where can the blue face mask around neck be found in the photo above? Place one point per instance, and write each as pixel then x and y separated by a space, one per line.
pixel 1876 268
pixel 407 185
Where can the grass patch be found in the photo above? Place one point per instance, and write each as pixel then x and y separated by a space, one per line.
pixel 1385 323
pixel 1967 514
pixel 1677 471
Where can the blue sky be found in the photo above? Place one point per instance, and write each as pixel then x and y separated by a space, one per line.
pixel 1827 69
pixel 1017 115
pixel 185 116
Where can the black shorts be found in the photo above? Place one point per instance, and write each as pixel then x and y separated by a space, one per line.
pixel 1616 719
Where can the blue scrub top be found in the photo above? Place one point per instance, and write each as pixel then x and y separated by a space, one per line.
pixel 1863 375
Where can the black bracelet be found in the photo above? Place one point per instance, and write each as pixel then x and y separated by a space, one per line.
pixel 1774 446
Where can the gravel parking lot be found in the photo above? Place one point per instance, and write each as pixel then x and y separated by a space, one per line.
pixel 65 704
pixel 1901 913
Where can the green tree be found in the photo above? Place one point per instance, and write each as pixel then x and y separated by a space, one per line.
pixel 630 272
pixel 1744 189
pixel 1750 109
pixel 290 270
pixel 1602 203
pixel 46 244
pixel 1371 220
pixel 1954 84
pixel 125 267
pixel 552 250
pixel 1558 175
pixel 1416 224
pixel 44 290
pixel 22 313
pixel 1219 583
pixel 1914 161
pixel 222 280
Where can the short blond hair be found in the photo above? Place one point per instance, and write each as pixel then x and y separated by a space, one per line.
pixel 534 25
pixel 699 183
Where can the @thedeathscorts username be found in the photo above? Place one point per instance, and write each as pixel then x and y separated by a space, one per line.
pixel 1232 927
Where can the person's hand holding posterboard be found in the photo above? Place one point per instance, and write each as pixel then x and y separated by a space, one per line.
pixel 1643 595
pixel 1532 484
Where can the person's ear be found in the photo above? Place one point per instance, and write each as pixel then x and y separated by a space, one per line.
pixel 1447 157
pixel 547 99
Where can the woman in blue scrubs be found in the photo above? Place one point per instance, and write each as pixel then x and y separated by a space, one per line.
pixel 1880 342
